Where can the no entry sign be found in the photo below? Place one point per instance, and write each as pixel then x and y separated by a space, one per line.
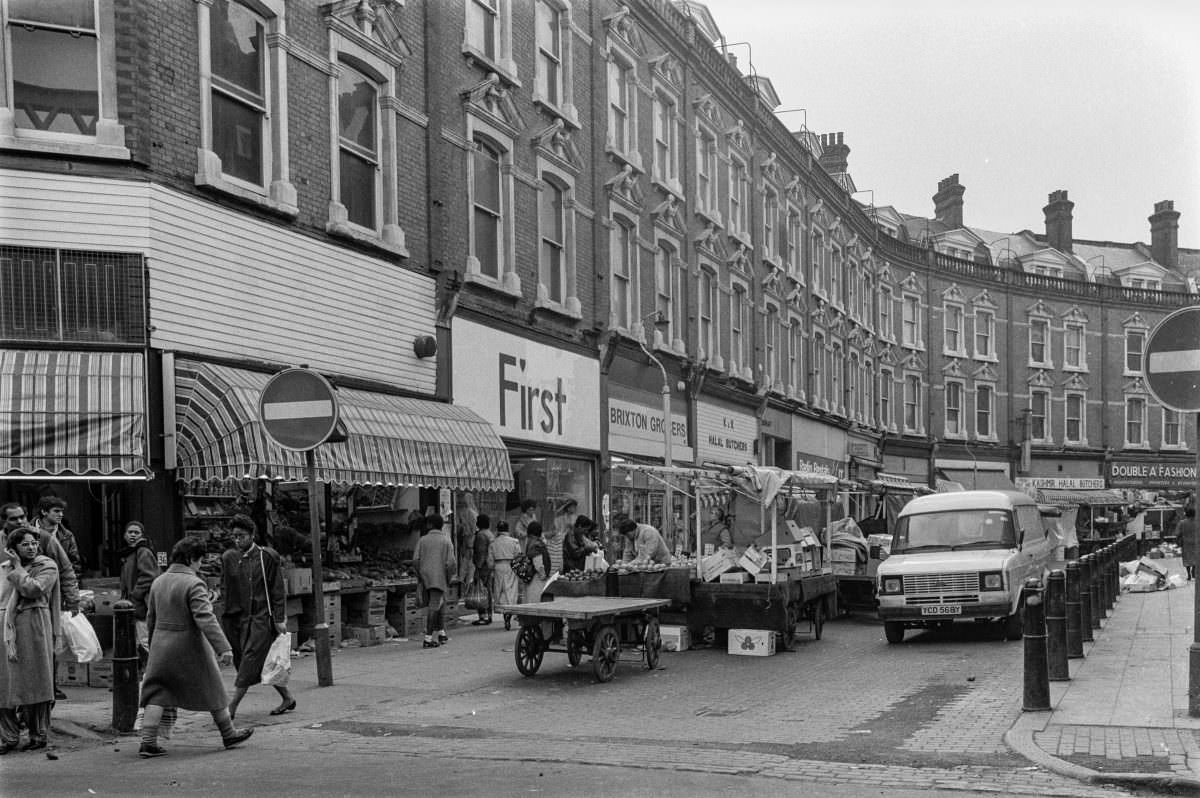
pixel 1173 360
pixel 299 409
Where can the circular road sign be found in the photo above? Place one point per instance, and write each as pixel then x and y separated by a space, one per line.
pixel 298 409
pixel 1173 360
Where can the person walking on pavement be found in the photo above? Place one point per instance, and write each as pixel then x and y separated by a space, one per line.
pixel 139 568
pixel 536 551
pixel 483 571
pixel 14 518
pixel 505 585
pixel 260 592
pixel 186 645
pixel 31 623
pixel 1189 541
pixel 231 604
pixel 436 568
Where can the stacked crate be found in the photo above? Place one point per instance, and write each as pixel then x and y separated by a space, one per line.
pixel 366 615
pixel 332 612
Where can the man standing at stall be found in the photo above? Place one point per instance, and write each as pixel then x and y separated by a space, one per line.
pixel 643 542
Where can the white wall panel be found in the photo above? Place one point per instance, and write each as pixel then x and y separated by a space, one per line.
pixel 228 285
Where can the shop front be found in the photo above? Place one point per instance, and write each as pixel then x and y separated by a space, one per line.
pixel 636 436
pixel 972 475
pixel 75 426
pixel 544 403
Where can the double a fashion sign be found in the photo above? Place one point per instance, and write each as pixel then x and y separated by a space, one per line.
pixel 527 390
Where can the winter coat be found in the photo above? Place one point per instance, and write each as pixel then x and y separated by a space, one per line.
pixel 139 567
pixel 68 580
pixel 256 579
pixel 33 599
pixel 434 561
pixel 185 641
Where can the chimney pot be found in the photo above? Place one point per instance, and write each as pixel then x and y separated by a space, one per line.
pixel 1059 233
pixel 1164 234
pixel 948 202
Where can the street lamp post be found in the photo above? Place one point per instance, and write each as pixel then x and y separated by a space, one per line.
pixel 668 497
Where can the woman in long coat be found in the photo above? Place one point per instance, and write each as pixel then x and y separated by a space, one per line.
pixel 505 585
pixel 186 643
pixel 1189 541
pixel 29 615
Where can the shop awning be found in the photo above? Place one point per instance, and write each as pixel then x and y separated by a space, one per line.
pixel 897 483
pixel 72 415
pixel 1070 498
pixel 391 440
pixel 978 479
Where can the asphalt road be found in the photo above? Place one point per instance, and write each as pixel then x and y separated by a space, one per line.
pixel 845 715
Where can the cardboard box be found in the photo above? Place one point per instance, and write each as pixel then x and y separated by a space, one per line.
pixel 73 673
pixel 752 560
pixel 735 578
pixel 675 638
pixel 368 635
pixel 100 673
pixel 751 642
pixel 785 554
pixel 716 564
pixel 843 554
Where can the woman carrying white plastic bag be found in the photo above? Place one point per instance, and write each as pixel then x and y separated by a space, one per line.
pixel 278 667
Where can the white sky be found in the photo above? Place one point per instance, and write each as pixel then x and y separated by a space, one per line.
pixel 1020 98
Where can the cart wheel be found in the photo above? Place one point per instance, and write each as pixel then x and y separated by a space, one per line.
pixel 529 650
pixel 791 619
pixel 816 611
pixel 576 642
pixel 605 653
pixel 652 640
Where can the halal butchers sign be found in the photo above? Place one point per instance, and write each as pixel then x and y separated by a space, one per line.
pixel 1173 361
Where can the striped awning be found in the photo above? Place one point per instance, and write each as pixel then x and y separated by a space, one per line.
pixel 391 440
pixel 1060 497
pixel 72 414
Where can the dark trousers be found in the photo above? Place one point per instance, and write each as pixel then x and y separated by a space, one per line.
pixel 433 612
pixel 231 625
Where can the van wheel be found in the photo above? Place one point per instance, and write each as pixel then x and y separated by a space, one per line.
pixel 893 631
pixel 1012 627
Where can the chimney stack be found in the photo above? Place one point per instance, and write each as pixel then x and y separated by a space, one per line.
pixel 1164 234
pixel 1058 221
pixel 834 154
pixel 948 202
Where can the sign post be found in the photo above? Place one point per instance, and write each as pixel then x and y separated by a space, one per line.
pixel 1173 377
pixel 299 410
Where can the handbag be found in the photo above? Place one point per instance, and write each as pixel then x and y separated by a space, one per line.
pixel 477 597
pixel 80 637
pixel 523 567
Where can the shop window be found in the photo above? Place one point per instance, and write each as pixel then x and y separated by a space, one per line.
pixel 243 115
pixel 638 497
pixel 550 481
pixel 61 72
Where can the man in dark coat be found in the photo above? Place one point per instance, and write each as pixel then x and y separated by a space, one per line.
pixel 1189 541
pixel 258 583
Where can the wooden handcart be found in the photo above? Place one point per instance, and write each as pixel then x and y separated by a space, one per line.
pixel 598 625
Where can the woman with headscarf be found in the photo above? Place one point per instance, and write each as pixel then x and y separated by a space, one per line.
pixel 29 602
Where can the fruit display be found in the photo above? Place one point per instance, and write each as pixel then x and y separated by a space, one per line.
pixel 639 566
pixel 580 576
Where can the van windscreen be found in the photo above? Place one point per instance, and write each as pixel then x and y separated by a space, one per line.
pixel 954 529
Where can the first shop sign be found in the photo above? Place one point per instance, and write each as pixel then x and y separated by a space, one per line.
pixel 528 391
pixel 1132 474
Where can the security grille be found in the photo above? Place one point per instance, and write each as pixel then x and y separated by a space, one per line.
pixel 69 296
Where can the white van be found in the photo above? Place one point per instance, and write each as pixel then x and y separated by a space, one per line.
pixel 962 556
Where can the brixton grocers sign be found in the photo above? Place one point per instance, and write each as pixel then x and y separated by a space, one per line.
pixel 1173 360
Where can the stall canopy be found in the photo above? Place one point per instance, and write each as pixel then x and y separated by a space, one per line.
pixel 892 482
pixel 981 479
pixel 72 415
pixel 391 440
pixel 1072 498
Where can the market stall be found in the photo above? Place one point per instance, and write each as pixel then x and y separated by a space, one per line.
pixel 1091 519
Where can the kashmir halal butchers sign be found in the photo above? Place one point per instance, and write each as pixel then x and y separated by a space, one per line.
pixel 1148 476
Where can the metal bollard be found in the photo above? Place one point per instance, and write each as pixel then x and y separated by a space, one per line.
pixel 1074 612
pixel 125 667
pixel 1037 677
pixel 1094 591
pixel 1085 601
pixel 1056 626
pixel 1113 568
pixel 1116 574
pixel 1106 599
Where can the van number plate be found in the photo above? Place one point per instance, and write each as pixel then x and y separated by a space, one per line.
pixel 942 609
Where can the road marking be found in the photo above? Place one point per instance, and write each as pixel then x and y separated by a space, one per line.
pixel 281 411
pixel 1179 360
